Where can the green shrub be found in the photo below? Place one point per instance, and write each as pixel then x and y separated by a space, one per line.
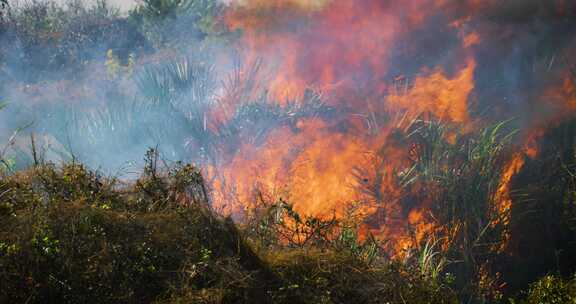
pixel 70 235
pixel 552 290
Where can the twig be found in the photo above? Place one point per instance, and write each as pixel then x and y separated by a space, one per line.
pixel 34 152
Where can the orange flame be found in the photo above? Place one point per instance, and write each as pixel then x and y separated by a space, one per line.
pixel 343 49
pixel 446 98
pixel 503 198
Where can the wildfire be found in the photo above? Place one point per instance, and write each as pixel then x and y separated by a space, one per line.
pixel 503 199
pixel 346 50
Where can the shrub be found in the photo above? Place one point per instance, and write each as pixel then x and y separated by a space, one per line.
pixel 40 40
pixel 552 290
pixel 70 235
pixel 172 22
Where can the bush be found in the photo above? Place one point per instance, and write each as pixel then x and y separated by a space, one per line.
pixel 70 235
pixel 41 39
pixel 552 290
pixel 173 22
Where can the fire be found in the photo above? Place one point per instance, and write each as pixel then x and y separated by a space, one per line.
pixel 422 227
pixel 569 92
pixel 345 45
pixel 446 98
pixel 563 100
pixel 342 48
pixel 346 50
pixel 531 147
pixel 503 193
pixel 310 167
pixel 503 199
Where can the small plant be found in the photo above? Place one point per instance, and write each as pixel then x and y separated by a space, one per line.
pixel 431 262
pixel 114 67
pixel 552 290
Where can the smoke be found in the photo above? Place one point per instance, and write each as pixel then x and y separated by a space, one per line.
pixel 72 71
pixel 280 97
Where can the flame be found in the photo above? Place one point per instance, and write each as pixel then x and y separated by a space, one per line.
pixel 345 45
pixel 568 92
pixel 503 198
pixel 531 147
pixel 346 49
pixel 563 99
pixel 342 48
pixel 446 98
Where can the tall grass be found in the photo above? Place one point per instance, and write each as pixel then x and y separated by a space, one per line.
pixel 458 178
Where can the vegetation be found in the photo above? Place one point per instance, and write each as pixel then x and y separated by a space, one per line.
pixel 72 235
pixel 461 180
pixel 147 78
pixel 551 289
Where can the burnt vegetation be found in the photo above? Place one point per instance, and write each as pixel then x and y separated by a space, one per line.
pixel 102 86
